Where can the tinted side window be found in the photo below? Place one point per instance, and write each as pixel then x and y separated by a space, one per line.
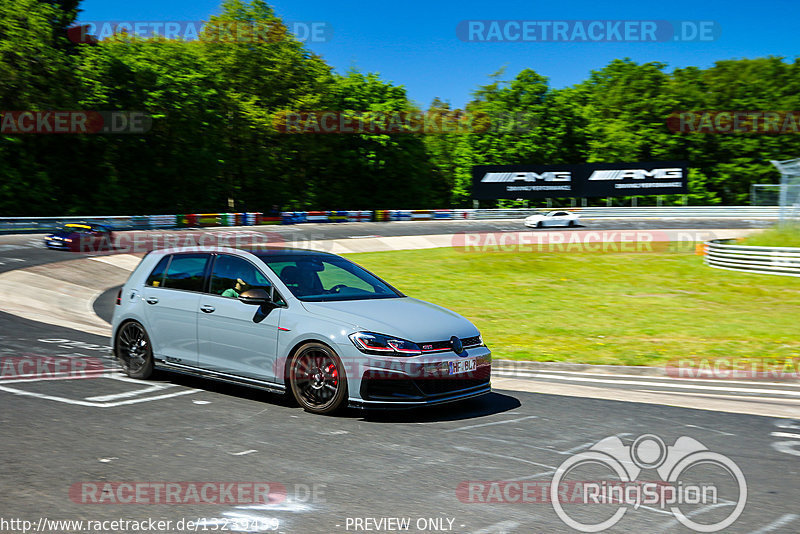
pixel 232 275
pixel 186 271
pixel 156 278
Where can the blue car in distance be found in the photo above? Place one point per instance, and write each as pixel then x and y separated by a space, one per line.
pixel 81 237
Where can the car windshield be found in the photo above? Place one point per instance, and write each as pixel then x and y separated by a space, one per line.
pixel 317 278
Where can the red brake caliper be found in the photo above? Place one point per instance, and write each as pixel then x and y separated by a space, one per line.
pixel 334 373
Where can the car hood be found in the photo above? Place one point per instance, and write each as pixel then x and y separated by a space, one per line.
pixel 406 317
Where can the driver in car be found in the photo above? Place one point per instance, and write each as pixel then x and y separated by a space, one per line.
pixel 236 290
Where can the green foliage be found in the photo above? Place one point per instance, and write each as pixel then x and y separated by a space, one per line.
pixel 214 144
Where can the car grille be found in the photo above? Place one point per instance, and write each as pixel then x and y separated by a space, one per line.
pixel 441 346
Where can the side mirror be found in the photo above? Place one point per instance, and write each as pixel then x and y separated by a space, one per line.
pixel 258 297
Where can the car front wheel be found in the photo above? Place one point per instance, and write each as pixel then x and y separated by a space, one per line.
pixel 133 350
pixel 317 379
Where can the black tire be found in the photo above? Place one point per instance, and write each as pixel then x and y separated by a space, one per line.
pixel 539 224
pixel 571 224
pixel 133 350
pixel 317 379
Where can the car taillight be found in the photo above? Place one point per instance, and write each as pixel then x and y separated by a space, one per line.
pixel 119 297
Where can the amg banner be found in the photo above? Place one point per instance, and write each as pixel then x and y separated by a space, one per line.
pixel 491 182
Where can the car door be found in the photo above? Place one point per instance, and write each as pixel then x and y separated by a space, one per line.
pixel 234 337
pixel 172 295
pixel 559 218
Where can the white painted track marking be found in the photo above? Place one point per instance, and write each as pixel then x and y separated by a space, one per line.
pixel 492 423
pixel 778 523
pixel 504 456
pixel 676 386
pixel 126 394
pixel 95 404
pixel 546 372
pixel 499 528
pixel 243 453
pixel 785 435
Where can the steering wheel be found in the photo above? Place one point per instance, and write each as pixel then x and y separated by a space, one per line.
pixel 337 287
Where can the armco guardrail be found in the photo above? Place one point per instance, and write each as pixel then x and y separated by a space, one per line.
pixel 665 212
pixel 147 222
pixel 723 254
pixel 13 225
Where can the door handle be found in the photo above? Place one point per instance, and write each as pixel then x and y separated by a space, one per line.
pixel 151 300
pixel 207 309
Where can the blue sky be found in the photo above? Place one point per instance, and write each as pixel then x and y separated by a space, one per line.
pixel 414 43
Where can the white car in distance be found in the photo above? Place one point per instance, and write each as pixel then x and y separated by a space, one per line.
pixel 553 218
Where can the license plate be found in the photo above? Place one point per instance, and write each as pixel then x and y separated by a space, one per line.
pixel 462 366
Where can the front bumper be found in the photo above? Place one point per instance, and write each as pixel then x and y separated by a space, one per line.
pixel 395 382
pixel 57 244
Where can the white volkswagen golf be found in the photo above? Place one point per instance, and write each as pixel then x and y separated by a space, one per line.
pixel 287 320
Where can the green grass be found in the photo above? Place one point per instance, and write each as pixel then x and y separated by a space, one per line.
pixel 622 308
pixel 779 236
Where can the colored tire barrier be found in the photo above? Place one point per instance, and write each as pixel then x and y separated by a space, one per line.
pixel 359 216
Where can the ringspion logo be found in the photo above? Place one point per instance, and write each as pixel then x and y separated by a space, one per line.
pixel 691 475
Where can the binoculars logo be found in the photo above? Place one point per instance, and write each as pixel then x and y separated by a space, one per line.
pixel 625 489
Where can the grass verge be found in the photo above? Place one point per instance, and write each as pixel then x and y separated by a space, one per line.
pixel 778 236
pixel 600 308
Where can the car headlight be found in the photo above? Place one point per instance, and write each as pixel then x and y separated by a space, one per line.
pixel 371 343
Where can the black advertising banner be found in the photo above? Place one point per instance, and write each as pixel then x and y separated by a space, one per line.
pixel 491 182
pixel 628 179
